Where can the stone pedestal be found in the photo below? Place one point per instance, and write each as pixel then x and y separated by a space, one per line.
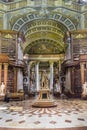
pixel 44 99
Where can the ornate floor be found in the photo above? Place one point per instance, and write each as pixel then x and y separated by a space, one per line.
pixel 68 115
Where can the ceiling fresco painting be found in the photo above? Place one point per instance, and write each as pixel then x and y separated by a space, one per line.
pixel 45 46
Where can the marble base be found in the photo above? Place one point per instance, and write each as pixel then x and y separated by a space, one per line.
pixel 44 99
pixel 44 103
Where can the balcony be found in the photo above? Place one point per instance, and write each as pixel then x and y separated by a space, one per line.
pixel 19 4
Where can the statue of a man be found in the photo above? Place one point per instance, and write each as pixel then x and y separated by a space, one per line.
pixel 44 80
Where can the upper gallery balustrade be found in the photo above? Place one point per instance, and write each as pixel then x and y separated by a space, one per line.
pixel 75 5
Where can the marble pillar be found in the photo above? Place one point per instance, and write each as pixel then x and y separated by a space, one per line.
pixel 5 21
pixel 51 75
pixel 82 18
pixel 82 73
pixel 28 2
pixel 29 66
pixel 15 80
pixel 20 54
pixel 5 74
pixel 68 79
pixel 37 77
pixel 69 50
pixel 72 79
pixel 82 23
pixel 0 72
pixel 0 43
pixel 59 66
pixel 19 79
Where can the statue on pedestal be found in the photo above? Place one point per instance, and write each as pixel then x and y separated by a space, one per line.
pixel 84 91
pixel 2 87
pixel 84 88
pixel 44 99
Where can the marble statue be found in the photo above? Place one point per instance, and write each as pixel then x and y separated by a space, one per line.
pixel 44 80
pixel 84 88
pixel 2 87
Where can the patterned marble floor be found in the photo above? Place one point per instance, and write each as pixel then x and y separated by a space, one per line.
pixel 71 113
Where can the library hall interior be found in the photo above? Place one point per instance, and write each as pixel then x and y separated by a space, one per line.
pixel 43 64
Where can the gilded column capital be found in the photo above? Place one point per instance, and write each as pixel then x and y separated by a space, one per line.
pixel 73 68
pixel 6 64
pixel 51 62
pixel 82 64
pixel 37 62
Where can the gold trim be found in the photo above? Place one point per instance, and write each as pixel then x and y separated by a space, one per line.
pixel 4 58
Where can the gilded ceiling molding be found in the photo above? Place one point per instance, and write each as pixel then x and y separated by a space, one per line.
pixel 4 58
pixel 21 22
pixel 42 37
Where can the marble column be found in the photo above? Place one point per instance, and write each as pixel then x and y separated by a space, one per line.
pixel 5 74
pixel 59 66
pixel 69 49
pixel 82 23
pixel 29 66
pixel 19 79
pixel 0 72
pixel 51 75
pixel 15 79
pixel 28 2
pixel 72 79
pixel 82 18
pixel 5 21
pixel 82 73
pixel 0 43
pixel 37 76
pixel 68 79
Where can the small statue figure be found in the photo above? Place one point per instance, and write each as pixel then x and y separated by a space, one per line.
pixel 84 88
pixel 2 89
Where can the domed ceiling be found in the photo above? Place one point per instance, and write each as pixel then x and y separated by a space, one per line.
pixel 44 34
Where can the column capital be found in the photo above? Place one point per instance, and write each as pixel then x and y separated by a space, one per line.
pixel 30 63
pixel 0 63
pixel 73 68
pixel 37 62
pixel 5 64
pixel 82 64
pixel 51 61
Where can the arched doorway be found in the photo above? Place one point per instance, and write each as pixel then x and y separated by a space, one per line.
pixel 44 42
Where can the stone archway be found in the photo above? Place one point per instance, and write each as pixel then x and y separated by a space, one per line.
pixel 44 37
pixel 21 22
pixel 38 29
